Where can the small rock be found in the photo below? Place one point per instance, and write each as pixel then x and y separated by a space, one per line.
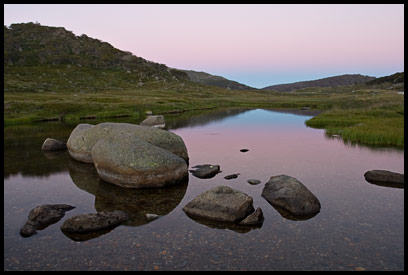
pixel 385 178
pixel 232 176
pixel 205 171
pixel 244 150
pixel 51 144
pixel 155 121
pixel 253 181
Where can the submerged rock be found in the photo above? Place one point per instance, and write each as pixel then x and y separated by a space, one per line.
pixel 221 203
pixel 385 178
pixel 42 216
pixel 85 223
pixel 155 121
pixel 51 144
pixel 205 171
pixel 134 163
pixel 291 195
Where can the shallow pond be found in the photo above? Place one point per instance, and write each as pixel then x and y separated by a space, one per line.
pixel 360 225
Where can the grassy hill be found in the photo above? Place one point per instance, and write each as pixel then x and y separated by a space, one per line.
pixel 341 80
pixel 214 80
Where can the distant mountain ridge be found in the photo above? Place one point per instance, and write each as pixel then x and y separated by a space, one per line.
pixel 341 80
pixel 214 80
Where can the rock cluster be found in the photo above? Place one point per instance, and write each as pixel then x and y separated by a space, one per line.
pixel 42 216
pixel 131 156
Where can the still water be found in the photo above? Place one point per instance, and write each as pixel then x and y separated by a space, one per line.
pixel 360 225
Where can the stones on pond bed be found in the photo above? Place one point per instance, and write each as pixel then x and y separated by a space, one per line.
pixel 42 216
pixel 205 171
pixel 385 178
pixel 291 195
pixel 51 144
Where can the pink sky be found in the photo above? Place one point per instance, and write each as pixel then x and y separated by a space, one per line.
pixel 258 45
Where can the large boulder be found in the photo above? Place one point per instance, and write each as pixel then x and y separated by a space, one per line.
pixel 221 203
pixel 291 195
pixel 85 136
pixel 385 178
pixel 128 161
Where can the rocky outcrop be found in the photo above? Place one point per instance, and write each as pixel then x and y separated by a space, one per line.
pixel 291 195
pixel 155 121
pixel 85 136
pixel 385 178
pixel 42 216
pixel 221 203
pixel 205 171
pixel 51 144
pixel 130 162
pixel 85 223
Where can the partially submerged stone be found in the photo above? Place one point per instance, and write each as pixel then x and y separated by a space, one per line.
pixel 85 223
pixel 254 181
pixel 51 144
pixel 155 121
pixel 205 171
pixel 385 178
pixel 134 163
pixel 42 216
pixel 291 195
pixel 221 203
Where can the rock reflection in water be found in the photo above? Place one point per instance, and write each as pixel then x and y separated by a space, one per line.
pixel 135 202
pixel 239 228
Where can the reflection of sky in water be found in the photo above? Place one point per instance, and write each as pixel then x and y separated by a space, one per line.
pixel 360 224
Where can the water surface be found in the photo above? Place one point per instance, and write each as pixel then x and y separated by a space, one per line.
pixel 360 225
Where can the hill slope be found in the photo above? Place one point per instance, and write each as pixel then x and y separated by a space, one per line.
pixel 347 79
pixel 214 80
pixel 33 45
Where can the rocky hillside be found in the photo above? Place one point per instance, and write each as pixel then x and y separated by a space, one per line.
pixel 214 80
pixel 342 80
pixel 33 45
pixel 394 78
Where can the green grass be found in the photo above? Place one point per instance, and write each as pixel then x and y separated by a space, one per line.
pixel 357 113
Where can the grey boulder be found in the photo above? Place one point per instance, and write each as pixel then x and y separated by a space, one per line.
pixel 291 195
pixel 385 178
pixel 134 163
pixel 85 136
pixel 205 171
pixel 221 203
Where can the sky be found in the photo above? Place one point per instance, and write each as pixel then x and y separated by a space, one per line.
pixel 257 45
